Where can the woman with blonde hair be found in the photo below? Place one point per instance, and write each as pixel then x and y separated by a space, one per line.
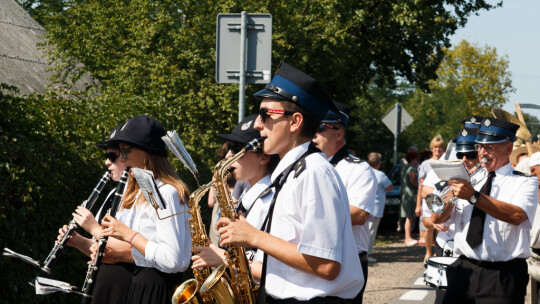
pixel 161 245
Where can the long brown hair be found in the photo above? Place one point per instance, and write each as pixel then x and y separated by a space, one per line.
pixel 162 169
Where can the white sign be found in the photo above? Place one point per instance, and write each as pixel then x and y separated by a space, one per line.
pixel 390 119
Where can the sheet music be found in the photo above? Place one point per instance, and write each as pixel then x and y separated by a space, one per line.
pixel 46 286
pixel 10 253
pixel 145 179
pixel 447 170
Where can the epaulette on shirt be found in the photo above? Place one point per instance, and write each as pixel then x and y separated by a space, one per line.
pixel 441 185
pixel 521 173
pixel 353 159
pixel 299 167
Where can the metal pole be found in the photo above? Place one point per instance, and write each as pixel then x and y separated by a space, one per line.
pixel 398 128
pixel 242 93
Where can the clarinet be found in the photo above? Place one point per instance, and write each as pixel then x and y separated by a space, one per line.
pixel 91 273
pixel 59 245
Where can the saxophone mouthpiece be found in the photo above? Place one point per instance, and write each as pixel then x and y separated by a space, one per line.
pixel 254 145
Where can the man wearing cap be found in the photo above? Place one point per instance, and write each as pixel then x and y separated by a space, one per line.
pixel 358 178
pixel 492 238
pixel 466 152
pixel 310 253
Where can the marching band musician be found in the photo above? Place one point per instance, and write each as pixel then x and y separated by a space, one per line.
pixel 161 249
pixel 465 151
pixel 113 279
pixel 256 168
pixel 493 241
pixel 310 253
pixel 358 178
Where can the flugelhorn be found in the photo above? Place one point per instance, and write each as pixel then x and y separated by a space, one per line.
pixel 436 203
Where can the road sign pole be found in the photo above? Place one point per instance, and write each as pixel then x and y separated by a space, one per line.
pixel 398 129
pixel 242 92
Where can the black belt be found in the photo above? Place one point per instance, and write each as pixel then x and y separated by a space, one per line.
pixel 489 264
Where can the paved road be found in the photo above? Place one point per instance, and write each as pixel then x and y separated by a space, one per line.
pixel 397 276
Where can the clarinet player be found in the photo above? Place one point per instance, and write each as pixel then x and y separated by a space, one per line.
pixel 113 279
pixel 161 249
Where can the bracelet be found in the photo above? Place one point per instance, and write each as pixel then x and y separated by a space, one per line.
pixel 132 239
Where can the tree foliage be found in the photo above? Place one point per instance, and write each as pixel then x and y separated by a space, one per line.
pixel 157 58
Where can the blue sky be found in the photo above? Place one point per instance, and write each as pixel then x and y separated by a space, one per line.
pixel 514 29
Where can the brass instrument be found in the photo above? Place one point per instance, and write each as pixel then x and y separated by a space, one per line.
pixel 189 291
pixel 436 203
pixel 242 285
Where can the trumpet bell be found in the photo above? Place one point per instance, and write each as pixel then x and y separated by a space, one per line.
pixel 435 203
pixel 187 293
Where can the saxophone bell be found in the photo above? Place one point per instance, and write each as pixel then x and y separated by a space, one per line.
pixel 187 293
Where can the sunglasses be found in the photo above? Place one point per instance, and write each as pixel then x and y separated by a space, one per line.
pixel 468 155
pixel 324 125
pixel 112 156
pixel 124 152
pixel 265 113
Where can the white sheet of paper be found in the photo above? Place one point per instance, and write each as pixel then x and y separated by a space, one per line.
pixel 447 170
pixel 145 179
pixel 10 253
pixel 46 286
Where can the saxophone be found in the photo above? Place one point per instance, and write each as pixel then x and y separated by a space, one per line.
pixel 243 286
pixel 189 291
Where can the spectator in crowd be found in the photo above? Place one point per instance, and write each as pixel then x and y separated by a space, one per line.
pixel 437 146
pixel 409 188
pixel 383 184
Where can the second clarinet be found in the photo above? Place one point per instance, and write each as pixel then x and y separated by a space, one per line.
pixel 93 267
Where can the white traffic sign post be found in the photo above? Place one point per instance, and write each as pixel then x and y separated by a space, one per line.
pixel 243 51
pixel 397 119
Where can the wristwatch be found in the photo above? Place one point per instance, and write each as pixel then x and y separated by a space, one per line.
pixel 474 198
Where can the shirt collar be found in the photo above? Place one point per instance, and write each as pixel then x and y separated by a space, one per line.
pixel 504 170
pixel 289 159
pixel 249 197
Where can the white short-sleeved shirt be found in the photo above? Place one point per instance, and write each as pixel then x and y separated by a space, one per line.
pixel 312 211
pixel 361 185
pixel 501 241
pixel 383 182
pixel 169 240
pixel 258 208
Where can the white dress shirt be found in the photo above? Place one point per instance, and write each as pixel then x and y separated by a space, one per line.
pixel 501 241
pixel 312 211
pixel 169 240
pixel 258 209
pixel 361 185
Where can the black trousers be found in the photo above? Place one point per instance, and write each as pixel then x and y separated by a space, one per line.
pixel 364 263
pixel 472 281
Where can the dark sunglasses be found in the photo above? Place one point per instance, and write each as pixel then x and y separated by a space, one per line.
pixel 325 125
pixel 265 113
pixel 468 155
pixel 112 156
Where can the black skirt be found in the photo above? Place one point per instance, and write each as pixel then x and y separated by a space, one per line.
pixel 112 283
pixel 150 286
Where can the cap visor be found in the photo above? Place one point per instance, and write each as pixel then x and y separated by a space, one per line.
pixel 465 148
pixel 234 137
pixel 488 139
pixel 264 93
